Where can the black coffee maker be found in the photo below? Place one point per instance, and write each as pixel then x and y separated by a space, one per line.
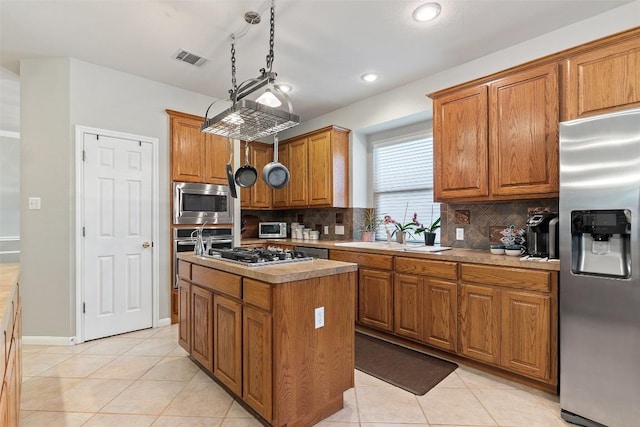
pixel 542 234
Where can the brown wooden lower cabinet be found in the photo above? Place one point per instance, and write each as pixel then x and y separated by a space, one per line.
pixel 408 306
pixel 375 300
pixel 479 323
pixel 257 362
pixel 227 342
pixel 10 357
pixel 440 313
pixel 201 326
pixel 184 315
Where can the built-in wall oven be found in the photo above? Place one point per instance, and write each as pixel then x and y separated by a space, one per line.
pixel 184 241
pixel 196 203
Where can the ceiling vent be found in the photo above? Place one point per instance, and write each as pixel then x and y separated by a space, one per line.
pixel 190 58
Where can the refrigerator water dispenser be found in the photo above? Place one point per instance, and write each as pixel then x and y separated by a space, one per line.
pixel 600 243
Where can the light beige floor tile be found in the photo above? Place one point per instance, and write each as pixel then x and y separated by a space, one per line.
pixel 349 412
pixel 172 368
pixel 55 419
pixel 241 422
pixel 145 397
pixel 365 380
pixel 478 379
pixel 516 408
pixel 551 401
pixel 153 347
pixel 38 389
pixel 142 333
pixel 166 421
pixel 168 332
pixel 200 399
pixel 32 348
pixel 120 420
pixel 201 376
pixel 89 395
pixel 237 411
pixel 126 367
pixel 78 366
pixel 388 405
pixel 36 363
pixel 178 351
pixel 454 406
pixel 69 349
pixel 451 381
pixel 113 345
pixel 388 425
pixel 326 423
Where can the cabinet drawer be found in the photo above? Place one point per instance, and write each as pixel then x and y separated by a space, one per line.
pixel 225 283
pixel 441 269
pixel 381 262
pixel 257 293
pixel 184 269
pixel 519 278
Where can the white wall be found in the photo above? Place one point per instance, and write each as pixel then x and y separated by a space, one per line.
pixel 409 103
pixel 57 95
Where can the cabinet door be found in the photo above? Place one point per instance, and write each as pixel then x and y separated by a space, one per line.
pixel 12 389
pixel 460 145
pixel 479 323
pixel 526 332
pixel 523 133
pixel 227 342
pixel 261 154
pixel 603 80
pixel 298 186
pixel 216 153
pixel 281 195
pixel 440 313
pixel 4 404
pixel 320 170
pixel 375 289
pixel 184 315
pixel 408 306
pixel 202 333
pixel 187 150
pixel 257 356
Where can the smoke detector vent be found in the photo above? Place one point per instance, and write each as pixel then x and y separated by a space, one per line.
pixel 190 58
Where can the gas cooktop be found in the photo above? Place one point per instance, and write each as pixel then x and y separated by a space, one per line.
pixel 257 257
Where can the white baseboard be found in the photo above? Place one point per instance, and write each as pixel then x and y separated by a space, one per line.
pixel 37 340
pixel 164 322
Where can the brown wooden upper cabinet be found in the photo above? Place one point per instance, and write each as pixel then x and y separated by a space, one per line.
pixel 318 163
pixel 196 156
pixel 258 196
pixel 604 78
pixel 498 140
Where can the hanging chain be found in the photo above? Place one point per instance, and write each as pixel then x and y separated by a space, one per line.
pixel 233 64
pixel 271 34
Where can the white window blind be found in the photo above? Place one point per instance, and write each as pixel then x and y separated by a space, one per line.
pixel 403 179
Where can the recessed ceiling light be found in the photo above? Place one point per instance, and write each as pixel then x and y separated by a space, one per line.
pixel 370 77
pixel 284 87
pixel 426 12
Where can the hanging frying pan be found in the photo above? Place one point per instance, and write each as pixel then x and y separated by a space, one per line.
pixel 232 184
pixel 275 174
pixel 246 175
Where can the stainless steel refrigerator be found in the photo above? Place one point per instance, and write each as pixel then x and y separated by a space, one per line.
pixel 600 270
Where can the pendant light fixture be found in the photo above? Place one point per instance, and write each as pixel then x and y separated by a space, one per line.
pixel 250 120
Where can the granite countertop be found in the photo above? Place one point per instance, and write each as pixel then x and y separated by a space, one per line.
pixel 474 256
pixel 277 273
pixel 8 278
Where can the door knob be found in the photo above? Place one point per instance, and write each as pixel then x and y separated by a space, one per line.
pixel 146 244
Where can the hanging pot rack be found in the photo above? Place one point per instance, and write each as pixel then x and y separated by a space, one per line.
pixel 249 120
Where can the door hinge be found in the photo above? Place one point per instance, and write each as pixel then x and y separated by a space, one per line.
pixel 151 244
pixel 84 231
pixel 84 308
pixel 84 156
pixel 139 143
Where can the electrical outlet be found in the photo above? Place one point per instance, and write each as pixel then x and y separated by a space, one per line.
pixel 34 202
pixel 459 233
pixel 319 316
pixel 339 229
pixel 326 229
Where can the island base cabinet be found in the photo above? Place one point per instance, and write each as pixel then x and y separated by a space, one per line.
pixel 480 323
pixel 227 342
pixel 257 350
pixel 202 334
pixel 184 315
pixel 526 333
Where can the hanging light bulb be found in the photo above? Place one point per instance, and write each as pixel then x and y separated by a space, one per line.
pixel 269 99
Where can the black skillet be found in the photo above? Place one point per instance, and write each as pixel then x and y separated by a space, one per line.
pixel 232 184
pixel 246 175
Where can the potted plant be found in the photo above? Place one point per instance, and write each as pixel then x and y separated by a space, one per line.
pixel 429 230
pixel 401 229
pixel 369 224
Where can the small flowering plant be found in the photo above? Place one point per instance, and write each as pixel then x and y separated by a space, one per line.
pixel 404 226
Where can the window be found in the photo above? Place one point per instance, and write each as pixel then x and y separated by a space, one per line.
pixel 403 179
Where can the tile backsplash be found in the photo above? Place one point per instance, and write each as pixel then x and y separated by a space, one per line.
pixel 316 219
pixel 483 222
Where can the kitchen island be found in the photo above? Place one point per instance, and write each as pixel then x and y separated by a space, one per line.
pixel 278 337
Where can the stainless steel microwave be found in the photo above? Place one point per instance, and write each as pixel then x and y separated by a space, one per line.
pixel 272 230
pixel 195 203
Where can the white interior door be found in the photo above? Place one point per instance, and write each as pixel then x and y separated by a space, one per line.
pixel 117 218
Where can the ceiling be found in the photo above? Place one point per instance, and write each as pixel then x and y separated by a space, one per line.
pixel 322 47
